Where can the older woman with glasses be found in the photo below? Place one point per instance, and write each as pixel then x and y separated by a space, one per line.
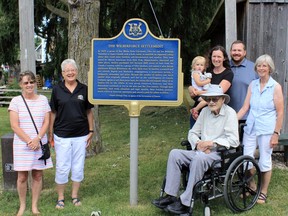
pixel 26 142
pixel 265 103
pixel 71 128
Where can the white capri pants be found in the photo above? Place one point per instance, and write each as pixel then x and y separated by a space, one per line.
pixel 251 142
pixel 70 156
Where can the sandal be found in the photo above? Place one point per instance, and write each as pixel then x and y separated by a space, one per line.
pixel 60 204
pixel 76 202
pixel 262 198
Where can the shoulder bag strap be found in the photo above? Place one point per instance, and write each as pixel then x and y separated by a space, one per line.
pixel 31 117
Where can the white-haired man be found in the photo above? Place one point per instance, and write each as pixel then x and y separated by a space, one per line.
pixel 217 125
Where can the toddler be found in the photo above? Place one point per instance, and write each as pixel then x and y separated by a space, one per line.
pixel 200 81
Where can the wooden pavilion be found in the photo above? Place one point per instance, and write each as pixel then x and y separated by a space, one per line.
pixel 263 26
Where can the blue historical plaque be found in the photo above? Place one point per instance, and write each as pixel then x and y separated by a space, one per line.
pixel 136 66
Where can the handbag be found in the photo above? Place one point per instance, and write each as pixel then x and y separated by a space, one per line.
pixel 44 147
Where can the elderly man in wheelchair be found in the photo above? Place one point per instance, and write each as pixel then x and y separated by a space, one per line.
pixel 211 150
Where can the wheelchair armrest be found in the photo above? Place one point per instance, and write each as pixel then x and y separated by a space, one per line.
pixel 240 148
pixel 228 155
pixel 187 144
pixel 224 151
pixel 221 149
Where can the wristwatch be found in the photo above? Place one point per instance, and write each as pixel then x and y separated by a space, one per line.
pixel 278 133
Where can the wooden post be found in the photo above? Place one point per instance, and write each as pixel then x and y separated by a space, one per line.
pixel 27 45
pixel 26 32
pixel 230 23
pixel 9 175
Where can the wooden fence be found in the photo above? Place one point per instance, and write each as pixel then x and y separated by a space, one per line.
pixel 6 95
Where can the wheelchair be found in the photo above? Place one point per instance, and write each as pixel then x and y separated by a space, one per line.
pixel 228 177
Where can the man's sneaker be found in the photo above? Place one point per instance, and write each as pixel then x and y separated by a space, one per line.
pixel 163 202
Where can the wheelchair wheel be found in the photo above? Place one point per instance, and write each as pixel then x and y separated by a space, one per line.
pixel 243 172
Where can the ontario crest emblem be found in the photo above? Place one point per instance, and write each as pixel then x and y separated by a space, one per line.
pixel 135 29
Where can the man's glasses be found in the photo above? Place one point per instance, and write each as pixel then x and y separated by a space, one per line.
pixel 213 99
pixel 31 83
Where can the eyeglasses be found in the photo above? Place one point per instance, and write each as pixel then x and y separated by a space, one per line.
pixel 213 99
pixel 31 83
pixel 71 70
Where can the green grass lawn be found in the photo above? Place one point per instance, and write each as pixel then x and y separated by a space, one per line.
pixel 106 184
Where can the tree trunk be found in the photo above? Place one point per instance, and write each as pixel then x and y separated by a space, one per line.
pixel 83 27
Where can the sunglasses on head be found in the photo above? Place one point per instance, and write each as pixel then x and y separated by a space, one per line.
pixel 26 83
pixel 213 99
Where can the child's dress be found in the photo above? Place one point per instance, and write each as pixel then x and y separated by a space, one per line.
pixel 203 76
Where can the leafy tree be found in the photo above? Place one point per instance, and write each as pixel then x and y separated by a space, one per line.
pixel 69 25
pixel 81 17
pixel 37 41
pixel 51 23
pixel 61 23
pixel 9 31
pixel 186 20
pixel 49 26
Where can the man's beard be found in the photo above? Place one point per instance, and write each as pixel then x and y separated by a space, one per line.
pixel 238 61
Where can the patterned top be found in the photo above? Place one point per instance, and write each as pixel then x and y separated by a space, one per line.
pixel 24 158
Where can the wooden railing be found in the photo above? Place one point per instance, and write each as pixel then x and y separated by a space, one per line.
pixel 5 97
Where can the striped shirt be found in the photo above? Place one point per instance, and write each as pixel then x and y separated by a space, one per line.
pixel 24 158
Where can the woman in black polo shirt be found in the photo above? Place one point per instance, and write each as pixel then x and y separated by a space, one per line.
pixel 71 129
